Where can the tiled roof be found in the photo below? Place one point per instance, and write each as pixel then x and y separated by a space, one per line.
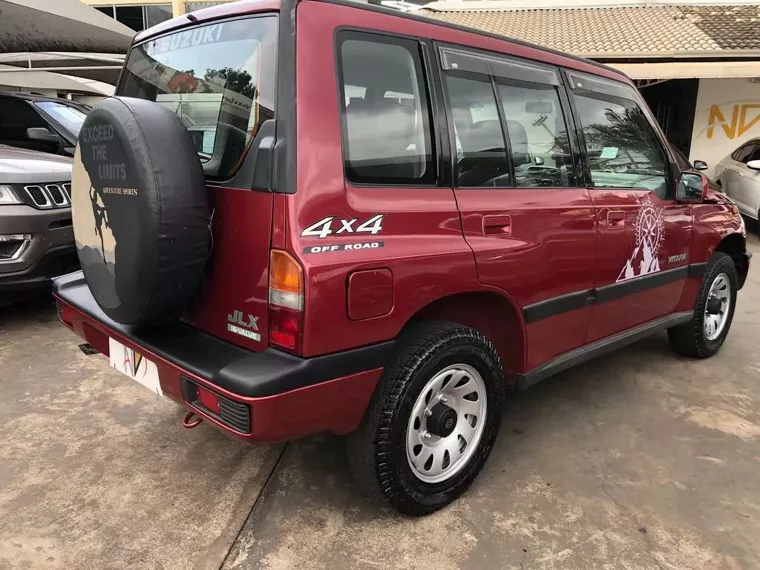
pixel 655 31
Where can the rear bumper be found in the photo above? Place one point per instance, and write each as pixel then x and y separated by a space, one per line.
pixel 286 396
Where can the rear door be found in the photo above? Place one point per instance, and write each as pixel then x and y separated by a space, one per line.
pixel 643 232
pixel 529 224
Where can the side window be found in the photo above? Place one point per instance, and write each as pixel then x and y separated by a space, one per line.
pixel 538 138
pixel 384 106
pixel 752 154
pixel 15 117
pixel 622 147
pixel 743 153
pixel 481 153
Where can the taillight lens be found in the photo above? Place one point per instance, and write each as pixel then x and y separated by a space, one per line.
pixel 286 301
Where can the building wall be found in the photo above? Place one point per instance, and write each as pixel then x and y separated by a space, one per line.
pixel 727 115
pixel 145 13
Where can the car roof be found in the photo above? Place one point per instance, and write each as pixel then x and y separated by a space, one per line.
pixel 244 7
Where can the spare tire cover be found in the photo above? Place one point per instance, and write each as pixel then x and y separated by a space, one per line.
pixel 140 210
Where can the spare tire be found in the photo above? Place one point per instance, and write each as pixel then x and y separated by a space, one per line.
pixel 140 210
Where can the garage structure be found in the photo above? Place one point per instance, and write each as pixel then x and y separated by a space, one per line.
pixel 697 63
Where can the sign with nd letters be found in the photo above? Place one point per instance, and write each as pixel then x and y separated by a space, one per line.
pixel 743 117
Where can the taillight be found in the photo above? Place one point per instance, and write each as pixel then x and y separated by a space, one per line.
pixel 286 300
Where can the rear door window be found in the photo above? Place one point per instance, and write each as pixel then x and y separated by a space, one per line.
pixel 385 111
pixel 481 153
pixel 218 78
pixel 509 124
pixel 539 143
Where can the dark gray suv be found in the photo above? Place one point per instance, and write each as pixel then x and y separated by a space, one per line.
pixel 36 237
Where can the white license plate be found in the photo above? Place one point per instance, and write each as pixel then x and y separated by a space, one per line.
pixel 134 365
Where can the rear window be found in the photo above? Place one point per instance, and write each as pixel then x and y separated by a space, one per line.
pixel 219 79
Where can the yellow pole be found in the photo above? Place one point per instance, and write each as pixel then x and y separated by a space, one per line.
pixel 178 7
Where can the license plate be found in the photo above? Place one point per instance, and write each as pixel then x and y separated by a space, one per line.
pixel 134 365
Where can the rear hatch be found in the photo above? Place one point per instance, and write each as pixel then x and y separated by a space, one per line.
pixel 219 78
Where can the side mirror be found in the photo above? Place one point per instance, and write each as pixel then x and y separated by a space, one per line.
pixel 539 160
pixel 41 134
pixel 692 187
pixel 754 164
pixel 700 165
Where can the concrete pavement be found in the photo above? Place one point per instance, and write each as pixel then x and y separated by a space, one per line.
pixel 638 460
pixel 97 472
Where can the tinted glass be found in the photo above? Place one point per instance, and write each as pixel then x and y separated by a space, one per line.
pixel 753 155
pixel 131 16
pixel 157 14
pixel 70 118
pixel 218 78
pixel 743 152
pixel 538 139
pixel 623 149
pixel 682 162
pixel 481 156
pixel 107 10
pixel 16 117
pixel 386 137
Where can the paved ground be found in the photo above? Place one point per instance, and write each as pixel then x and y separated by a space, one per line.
pixel 639 460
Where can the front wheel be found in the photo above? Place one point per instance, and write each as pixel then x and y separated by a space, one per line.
pixel 433 419
pixel 713 312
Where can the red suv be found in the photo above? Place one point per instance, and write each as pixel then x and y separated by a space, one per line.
pixel 302 216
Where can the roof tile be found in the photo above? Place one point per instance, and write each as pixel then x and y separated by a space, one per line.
pixel 621 31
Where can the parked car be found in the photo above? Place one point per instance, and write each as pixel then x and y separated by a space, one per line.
pixel 739 176
pixel 36 236
pixel 373 255
pixel 40 123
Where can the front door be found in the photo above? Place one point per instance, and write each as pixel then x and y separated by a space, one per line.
pixel 737 174
pixel 642 232
pixel 529 224
pixel 747 183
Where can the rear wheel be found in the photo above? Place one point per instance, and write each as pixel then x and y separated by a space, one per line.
pixel 713 312
pixel 433 419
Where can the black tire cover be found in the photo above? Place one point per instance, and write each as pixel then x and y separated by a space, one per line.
pixel 140 210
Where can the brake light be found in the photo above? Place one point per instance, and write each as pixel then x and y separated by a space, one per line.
pixel 286 301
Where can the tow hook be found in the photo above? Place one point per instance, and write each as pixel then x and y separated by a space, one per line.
pixel 189 422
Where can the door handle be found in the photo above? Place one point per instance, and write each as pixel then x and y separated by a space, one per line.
pixel 615 219
pixel 497 225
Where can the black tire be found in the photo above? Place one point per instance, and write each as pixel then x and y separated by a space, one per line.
pixel 690 339
pixel 140 210
pixel 377 450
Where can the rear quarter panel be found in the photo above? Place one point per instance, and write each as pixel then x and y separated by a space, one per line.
pixel 421 237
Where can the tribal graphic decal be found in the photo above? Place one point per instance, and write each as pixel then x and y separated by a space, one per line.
pixel 650 233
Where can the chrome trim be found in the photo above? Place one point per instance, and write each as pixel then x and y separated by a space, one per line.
pixel 66 187
pixel 58 187
pixel 19 252
pixel 47 204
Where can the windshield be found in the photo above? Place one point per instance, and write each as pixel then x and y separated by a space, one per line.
pixel 70 118
pixel 217 78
